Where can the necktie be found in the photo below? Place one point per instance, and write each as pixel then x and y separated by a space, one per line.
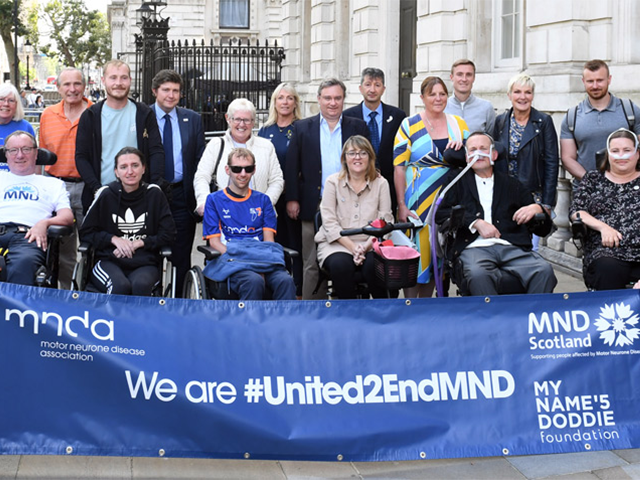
pixel 167 137
pixel 375 134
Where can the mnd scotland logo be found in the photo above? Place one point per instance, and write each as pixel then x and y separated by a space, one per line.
pixel 617 322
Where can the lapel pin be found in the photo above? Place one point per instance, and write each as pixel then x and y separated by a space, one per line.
pixel 389 119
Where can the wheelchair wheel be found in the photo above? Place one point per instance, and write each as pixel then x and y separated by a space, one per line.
pixel 195 286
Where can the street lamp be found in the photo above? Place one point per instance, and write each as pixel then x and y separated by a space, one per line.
pixel 27 49
pixel 153 30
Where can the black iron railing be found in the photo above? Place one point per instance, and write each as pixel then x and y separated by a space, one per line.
pixel 213 75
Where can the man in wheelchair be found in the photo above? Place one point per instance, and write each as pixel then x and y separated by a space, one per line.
pixel 250 260
pixel 30 205
pixel 492 238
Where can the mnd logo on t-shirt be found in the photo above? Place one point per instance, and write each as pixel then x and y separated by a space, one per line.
pixel 21 192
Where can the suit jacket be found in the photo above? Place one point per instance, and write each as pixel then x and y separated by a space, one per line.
pixel 193 144
pixel 303 169
pixel 508 196
pixel 391 119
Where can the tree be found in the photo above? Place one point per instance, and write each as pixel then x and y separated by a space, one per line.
pixel 73 33
pixel 6 33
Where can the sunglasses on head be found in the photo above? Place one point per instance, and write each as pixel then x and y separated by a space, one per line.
pixel 238 169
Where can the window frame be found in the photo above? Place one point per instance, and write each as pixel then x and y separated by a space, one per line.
pixel 235 27
pixel 517 32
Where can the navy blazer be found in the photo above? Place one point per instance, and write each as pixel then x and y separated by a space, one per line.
pixel 391 119
pixel 193 145
pixel 303 169
pixel 508 196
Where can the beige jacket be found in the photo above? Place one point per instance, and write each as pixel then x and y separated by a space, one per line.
pixel 268 178
pixel 342 208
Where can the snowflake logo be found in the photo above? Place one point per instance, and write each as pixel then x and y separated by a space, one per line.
pixel 617 324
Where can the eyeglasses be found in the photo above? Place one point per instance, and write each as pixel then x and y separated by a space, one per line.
pixel 360 154
pixel 238 168
pixel 245 121
pixel 8 100
pixel 12 152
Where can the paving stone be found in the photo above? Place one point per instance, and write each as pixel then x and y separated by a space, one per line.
pixel 195 468
pixel 619 473
pixel 9 466
pixel 52 467
pixel 631 455
pixel 317 470
pixel 575 476
pixel 541 466
pixel 492 468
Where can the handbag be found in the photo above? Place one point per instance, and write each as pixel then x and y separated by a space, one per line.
pixel 213 186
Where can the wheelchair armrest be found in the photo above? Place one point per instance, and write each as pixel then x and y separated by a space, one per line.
pixel 579 232
pixel 289 252
pixel 454 222
pixel 84 247
pixel 57 231
pixel 541 224
pixel 165 252
pixel 209 252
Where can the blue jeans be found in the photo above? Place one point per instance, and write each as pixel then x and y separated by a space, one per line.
pixel 251 285
pixel 23 259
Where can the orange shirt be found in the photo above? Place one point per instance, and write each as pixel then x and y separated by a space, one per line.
pixel 58 134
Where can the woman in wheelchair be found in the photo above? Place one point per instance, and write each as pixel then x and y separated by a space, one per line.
pixel 127 224
pixel 352 198
pixel 608 201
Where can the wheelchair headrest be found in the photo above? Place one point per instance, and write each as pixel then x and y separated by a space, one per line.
pixel 45 157
pixel 455 158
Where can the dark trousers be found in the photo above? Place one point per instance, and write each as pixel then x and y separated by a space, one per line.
pixel 109 278
pixel 251 285
pixel 608 273
pixel 290 235
pixel 24 258
pixel 342 271
pixel 186 230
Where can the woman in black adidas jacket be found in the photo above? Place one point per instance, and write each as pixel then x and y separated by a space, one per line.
pixel 127 224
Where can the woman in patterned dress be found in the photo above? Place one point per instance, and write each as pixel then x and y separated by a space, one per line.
pixel 420 169
pixel 608 202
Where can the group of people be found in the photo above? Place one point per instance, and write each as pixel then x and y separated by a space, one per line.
pixel 139 177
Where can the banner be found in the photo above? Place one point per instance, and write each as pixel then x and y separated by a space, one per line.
pixel 367 380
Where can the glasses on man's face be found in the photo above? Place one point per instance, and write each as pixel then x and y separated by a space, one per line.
pixel 245 121
pixel 12 152
pixel 238 168
pixel 360 154
pixel 9 100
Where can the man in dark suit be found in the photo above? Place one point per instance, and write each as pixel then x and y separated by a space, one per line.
pixel 183 141
pixel 314 154
pixel 493 237
pixel 383 121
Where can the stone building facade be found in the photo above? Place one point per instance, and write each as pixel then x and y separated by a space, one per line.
pixel 411 39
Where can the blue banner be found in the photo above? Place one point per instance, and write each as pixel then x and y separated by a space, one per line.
pixel 89 374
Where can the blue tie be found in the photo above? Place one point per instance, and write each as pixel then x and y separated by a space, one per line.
pixel 168 148
pixel 375 134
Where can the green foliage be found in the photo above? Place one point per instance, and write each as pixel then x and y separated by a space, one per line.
pixel 7 30
pixel 70 32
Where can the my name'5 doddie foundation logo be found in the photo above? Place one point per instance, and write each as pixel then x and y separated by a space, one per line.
pixel 573 329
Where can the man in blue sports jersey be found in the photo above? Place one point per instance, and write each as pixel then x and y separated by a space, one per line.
pixel 241 223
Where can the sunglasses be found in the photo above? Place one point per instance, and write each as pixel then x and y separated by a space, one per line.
pixel 238 169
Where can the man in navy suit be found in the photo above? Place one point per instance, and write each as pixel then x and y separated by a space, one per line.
pixel 183 140
pixel 314 154
pixel 383 121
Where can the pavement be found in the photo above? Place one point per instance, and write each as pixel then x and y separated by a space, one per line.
pixel 603 465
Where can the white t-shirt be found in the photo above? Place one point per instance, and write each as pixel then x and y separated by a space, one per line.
pixel 27 199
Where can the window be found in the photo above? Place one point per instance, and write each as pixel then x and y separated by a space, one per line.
pixel 234 13
pixel 508 32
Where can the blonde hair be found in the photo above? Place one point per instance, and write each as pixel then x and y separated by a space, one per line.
pixel 273 114
pixel 521 79
pixel 361 143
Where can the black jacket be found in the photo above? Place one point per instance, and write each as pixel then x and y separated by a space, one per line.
pixel 508 196
pixel 89 147
pixel 143 214
pixel 538 154
pixel 303 169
